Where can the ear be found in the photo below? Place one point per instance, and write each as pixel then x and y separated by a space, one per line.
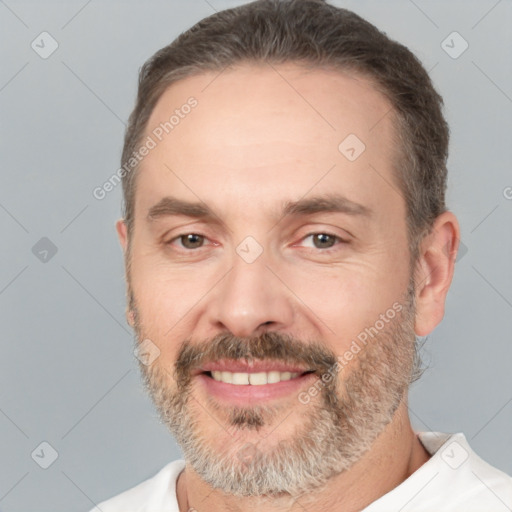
pixel 434 272
pixel 122 233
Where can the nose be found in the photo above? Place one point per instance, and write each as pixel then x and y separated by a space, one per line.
pixel 250 300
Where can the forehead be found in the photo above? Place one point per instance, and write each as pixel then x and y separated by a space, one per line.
pixel 281 127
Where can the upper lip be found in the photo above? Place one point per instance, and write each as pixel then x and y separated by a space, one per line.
pixel 254 366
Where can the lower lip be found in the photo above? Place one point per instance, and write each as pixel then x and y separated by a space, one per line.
pixel 243 394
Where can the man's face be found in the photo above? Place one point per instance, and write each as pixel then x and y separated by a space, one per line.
pixel 291 258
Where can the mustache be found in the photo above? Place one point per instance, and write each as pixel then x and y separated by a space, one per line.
pixel 270 346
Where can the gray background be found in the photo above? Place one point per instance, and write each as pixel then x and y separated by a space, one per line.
pixel 67 372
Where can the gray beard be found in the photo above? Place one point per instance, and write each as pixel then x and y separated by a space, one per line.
pixel 338 427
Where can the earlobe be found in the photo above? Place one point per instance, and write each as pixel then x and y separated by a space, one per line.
pixel 434 272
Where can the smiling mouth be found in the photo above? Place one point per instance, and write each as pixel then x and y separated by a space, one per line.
pixel 242 382
pixel 253 379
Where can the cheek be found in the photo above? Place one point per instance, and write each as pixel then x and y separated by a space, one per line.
pixel 342 301
pixel 167 299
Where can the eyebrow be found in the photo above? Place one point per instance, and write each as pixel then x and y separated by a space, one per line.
pixel 333 203
pixel 169 206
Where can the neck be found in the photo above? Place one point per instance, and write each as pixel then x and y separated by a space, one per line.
pixel 393 457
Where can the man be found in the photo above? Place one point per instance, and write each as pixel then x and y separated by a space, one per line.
pixel 286 239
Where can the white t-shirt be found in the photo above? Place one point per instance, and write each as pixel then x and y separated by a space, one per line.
pixel 454 479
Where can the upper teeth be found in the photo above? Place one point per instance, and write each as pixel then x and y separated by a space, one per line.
pixel 256 379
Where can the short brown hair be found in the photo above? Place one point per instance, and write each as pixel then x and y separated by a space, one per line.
pixel 314 33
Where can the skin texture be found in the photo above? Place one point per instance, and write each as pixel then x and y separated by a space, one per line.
pixel 259 137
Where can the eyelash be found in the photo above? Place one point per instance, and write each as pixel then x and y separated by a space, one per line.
pixel 338 240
